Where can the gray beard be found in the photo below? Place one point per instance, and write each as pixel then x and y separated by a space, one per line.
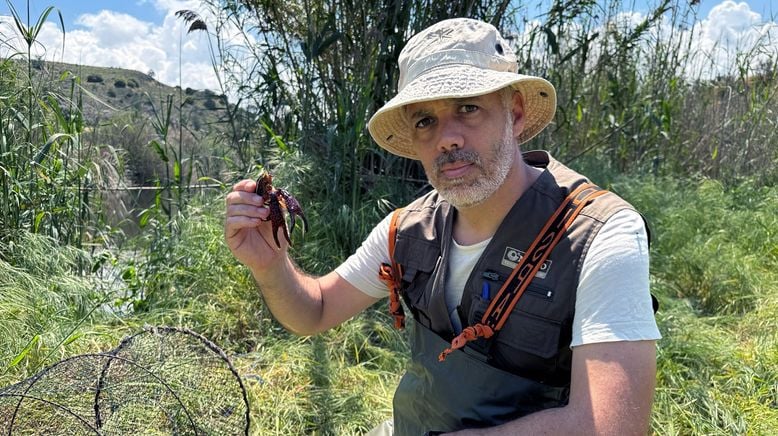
pixel 462 194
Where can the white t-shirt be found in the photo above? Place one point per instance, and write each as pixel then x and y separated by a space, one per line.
pixel 613 302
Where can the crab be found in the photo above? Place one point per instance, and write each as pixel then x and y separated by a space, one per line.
pixel 277 200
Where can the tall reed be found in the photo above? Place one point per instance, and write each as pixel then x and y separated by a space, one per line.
pixel 48 176
pixel 313 72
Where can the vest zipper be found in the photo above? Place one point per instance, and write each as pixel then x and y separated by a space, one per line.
pixel 540 292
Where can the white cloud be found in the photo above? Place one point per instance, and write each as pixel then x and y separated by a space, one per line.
pixel 728 20
pixel 112 39
pixel 733 37
pixel 109 38
pixel 731 40
pixel 111 29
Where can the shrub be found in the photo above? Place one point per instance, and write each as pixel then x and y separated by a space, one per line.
pixel 94 78
pixel 120 83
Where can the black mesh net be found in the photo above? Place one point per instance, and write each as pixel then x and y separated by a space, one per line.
pixel 163 380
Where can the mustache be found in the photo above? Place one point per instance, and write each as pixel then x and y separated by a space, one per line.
pixel 456 155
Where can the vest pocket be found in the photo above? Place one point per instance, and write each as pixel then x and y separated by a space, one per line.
pixel 532 341
pixel 419 259
pixel 478 306
pixel 531 334
pixel 416 256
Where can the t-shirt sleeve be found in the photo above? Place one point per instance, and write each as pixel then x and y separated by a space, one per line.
pixel 361 268
pixel 613 300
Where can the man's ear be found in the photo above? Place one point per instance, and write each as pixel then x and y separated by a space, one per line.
pixel 518 114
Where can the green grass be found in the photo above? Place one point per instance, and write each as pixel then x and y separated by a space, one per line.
pixel 46 310
pixel 717 361
pixel 339 383
pixel 714 263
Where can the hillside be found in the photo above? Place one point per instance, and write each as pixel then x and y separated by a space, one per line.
pixel 127 110
pixel 108 91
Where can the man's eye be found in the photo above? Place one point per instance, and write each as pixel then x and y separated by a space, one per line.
pixel 467 108
pixel 424 122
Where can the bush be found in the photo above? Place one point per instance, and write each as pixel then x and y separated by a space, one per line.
pixel 132 83
pixel 94 78
pixel 111 93
pixel 120 83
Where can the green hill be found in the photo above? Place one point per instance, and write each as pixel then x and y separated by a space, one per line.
pixel 127 110
pixel 108 91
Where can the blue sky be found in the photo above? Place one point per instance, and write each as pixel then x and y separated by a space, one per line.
pixel 154 12
pixel 72 9
pixel 765 8
pixel 146 36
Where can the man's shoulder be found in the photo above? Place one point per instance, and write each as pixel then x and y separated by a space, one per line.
pixel 425 214
pixel 430 200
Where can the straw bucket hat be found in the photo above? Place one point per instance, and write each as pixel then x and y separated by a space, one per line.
pixel 457 58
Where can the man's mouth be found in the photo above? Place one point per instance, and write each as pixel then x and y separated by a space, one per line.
pixel 456 169
pixel 455 163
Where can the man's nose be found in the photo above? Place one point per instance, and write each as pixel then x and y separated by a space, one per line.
pixel 451 137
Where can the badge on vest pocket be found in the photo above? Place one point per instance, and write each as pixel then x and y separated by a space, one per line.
pixel 512 257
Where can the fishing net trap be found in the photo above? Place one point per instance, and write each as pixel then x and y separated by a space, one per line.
pixel 162 380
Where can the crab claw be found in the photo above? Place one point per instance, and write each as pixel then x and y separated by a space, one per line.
pixel 293 207
pixel 277 218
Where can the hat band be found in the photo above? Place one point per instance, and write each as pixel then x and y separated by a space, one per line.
pixel 457 56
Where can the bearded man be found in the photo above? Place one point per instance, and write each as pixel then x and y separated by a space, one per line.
pixel 527 285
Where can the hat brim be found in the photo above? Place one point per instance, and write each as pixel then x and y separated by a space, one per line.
pixel 390 127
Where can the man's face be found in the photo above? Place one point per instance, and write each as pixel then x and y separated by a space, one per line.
pixel 466 146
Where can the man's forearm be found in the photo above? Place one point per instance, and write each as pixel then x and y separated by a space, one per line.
pixel 612 387
pixel 293 297
pixel 558 421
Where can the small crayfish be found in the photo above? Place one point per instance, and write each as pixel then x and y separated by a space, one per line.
pixel 277 200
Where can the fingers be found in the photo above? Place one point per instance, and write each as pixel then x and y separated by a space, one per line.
pixel 236 223
pixel 245 209
pixel 245 185
pixel 248 210
pixel 248 232
pixel 242 201
pixel 247 197
pixel 240 229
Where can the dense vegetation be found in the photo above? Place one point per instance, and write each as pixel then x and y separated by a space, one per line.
pixel 696 154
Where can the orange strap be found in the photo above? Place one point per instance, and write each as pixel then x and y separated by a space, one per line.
pixel 503 303
pixel 392 275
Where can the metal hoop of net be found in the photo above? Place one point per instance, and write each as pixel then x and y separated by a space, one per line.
pixel 163 380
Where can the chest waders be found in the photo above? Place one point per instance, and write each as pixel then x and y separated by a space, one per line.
pixel 462 392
